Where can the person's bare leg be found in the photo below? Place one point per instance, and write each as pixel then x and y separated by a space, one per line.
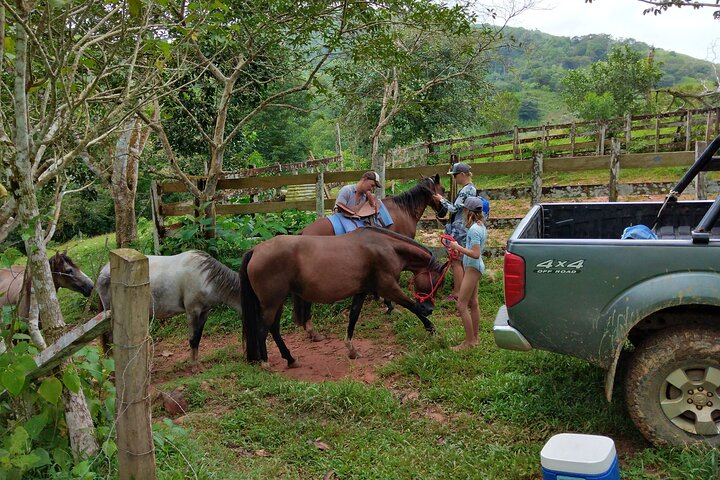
pixel 458 273
pixel 468 291
pixel 474 306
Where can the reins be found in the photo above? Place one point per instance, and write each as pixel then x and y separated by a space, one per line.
pixel 453 254
pixel 421 297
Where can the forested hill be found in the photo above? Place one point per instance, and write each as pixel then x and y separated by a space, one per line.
pixel 543 60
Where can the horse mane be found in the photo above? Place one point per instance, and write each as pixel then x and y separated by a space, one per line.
pixel 410 200
pixel 225 280
pixel 434 263
pixel 59 258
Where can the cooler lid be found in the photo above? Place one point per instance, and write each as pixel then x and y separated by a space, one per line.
pixel 578 453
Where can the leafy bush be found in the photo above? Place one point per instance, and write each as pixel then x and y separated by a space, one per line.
pixel 31 412
pixel 233 236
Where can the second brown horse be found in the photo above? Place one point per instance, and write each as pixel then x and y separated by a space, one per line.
pixel 328 269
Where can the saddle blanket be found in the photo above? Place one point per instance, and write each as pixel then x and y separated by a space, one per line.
pixel 341 224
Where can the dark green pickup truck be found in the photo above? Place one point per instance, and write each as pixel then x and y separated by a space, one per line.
pixel 573 286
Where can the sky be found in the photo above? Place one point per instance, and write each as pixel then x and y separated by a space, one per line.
pixel 683 30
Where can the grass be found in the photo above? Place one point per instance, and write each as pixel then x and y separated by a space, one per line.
pixel 484 413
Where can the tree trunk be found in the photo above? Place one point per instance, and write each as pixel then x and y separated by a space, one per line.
pixel 80 426
pixel 124 179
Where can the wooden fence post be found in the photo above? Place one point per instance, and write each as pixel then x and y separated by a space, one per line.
pixel 614 170
pixel 700 183
pixel 381 172
pixel 657 132
pixel 628 132
pixel 537 174
pixel 708 126
pixel 130 289
pixel 157 218
pixel 688 129
pixel 516 143
pixel 572 139
pixel 320 193
pixel 601 144
pixel 338 147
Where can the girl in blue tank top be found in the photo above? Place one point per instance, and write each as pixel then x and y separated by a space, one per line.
pixel 467 304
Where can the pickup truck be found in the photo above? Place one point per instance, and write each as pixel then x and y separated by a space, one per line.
pixel 574 287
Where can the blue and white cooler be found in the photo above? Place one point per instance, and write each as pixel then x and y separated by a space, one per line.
pixel 574 456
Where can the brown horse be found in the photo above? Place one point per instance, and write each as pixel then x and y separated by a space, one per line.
pixel 406 209
pixel 328 269
pixel 65 274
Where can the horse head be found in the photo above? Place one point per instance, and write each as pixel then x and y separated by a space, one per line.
pixel 432 185
pixel 68 275
pixel 426 283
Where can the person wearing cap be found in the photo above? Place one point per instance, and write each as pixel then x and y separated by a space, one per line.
pixel 474 267
pixel 355 196
pixel 455 226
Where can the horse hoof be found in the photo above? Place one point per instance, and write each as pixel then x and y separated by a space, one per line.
pixel 265 365
pixel 353 354
pixel 196 367
pixel 294 364
pixel 315 336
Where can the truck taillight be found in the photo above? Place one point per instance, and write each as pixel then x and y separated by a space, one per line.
pixel 514 279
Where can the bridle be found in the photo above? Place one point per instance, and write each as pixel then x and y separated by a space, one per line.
pixel 422 297
pixel 453 255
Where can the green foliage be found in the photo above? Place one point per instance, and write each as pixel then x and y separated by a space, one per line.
pixel 37 446
pixel 500 112
pixel 430 59
pixel 615 87
pixel 233 235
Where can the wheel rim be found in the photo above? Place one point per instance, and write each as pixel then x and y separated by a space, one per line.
pixel 689 398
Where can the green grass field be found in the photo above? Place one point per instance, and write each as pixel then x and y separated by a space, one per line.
pixel 432 412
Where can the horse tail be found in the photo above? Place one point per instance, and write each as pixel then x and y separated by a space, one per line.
pixel 250 312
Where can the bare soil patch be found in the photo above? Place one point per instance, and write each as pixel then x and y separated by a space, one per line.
pixel 317 361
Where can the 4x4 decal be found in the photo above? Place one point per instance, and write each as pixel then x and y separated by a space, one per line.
pixel 557 266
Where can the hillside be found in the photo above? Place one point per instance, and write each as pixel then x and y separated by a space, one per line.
pixel 533 71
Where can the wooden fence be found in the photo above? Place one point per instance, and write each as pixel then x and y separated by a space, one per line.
pixel 673 131
pixel 321 204
pixel 644 141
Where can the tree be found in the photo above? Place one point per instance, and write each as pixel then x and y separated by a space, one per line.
pixel 617 86
pixel 249 60
pixel 422 55
pixel 659 6
pixel 72 72
pixel 690 96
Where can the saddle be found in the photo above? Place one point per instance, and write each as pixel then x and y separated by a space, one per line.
pixel 367 212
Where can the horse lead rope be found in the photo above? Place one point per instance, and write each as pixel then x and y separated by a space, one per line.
pixel 453 254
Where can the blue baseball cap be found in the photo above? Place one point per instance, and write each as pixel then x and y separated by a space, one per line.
pixel 477 204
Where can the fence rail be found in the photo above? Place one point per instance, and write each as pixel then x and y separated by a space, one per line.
pixel 640 133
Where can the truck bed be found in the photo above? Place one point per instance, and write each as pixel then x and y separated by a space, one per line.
pixel 607 220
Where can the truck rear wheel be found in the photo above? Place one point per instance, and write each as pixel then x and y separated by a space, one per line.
pixel 672 386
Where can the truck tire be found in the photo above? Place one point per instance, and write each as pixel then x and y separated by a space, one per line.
pixel 672 386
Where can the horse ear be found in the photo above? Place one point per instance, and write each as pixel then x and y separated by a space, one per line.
pixel 437 178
